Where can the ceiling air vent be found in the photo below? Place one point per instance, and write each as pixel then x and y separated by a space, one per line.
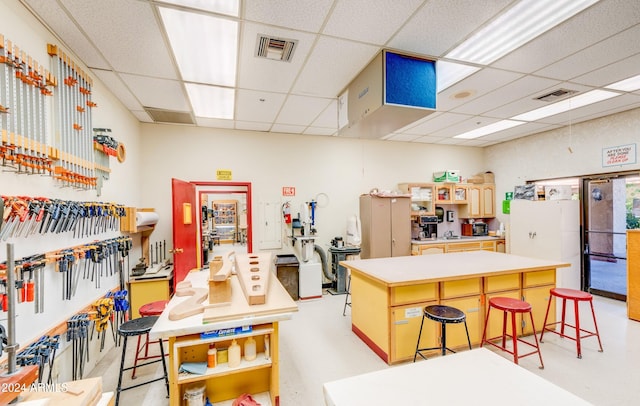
pixel 277 49
pixel 556 95
pixel 169 116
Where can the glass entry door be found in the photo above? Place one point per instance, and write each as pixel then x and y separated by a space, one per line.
pixel 607 204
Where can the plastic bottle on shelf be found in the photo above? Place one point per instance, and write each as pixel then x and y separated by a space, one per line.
pixel 267 349
pixel 234 354
pixel 212 354
pixel 250 349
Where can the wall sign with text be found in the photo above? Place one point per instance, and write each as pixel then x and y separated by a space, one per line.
pixel 619 155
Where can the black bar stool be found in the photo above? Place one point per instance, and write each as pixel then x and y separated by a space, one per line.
pixel 133 328
pixel 443 315
pixel 346 295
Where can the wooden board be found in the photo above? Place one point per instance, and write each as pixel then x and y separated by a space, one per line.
pixel 253 272
pixel 86 392
pixel 191 306
pixel 22 377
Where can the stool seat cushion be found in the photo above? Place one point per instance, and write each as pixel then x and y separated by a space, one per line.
pixel 573 294
pixel 136 327
pixel 444 314
pixel 153 308
pixel 510 304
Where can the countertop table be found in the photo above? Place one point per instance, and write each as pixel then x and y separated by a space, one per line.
pixel 185 334
pixel 466 378
pixel 388 294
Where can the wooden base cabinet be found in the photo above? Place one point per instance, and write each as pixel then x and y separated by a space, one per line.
pixel 405 327
pixel 535 291
pixel 633 274
pixel 222 382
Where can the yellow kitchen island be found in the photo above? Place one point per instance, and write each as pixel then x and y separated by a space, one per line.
pixel 388 295
pixel 224 383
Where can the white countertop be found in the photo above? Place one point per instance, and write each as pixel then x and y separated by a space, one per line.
pixel 476 377
pixel 398 271
pixel 279 306
pixel 442 240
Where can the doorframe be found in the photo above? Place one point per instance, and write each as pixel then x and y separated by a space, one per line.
pixel 244 188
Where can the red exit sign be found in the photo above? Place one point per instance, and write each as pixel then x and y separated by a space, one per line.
pixel 288 191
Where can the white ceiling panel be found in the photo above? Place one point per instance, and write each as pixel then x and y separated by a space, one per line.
pixel 441 24
pixel 303 15
pixel 617 47
pixel 258 106
pixel 127 34
pixel 117 87
pixel 301 110
pixel 125 42
pixel 378 20
pixel 593 25
pixel 267 74
pixel 504 95
pixel 158 93
pixel 332 65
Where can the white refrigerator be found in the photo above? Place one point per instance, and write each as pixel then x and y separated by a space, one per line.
pixel 548 229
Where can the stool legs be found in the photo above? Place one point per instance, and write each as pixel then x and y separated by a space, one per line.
pixel 122 369
pixel 346 296
pixel 443 347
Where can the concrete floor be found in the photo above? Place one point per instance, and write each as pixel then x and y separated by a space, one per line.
pixel 317 346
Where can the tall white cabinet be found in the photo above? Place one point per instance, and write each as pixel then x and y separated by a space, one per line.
pixel 548 229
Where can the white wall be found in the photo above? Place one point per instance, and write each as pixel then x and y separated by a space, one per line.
pixel 565 152
pixel 22 29
pixel 341 168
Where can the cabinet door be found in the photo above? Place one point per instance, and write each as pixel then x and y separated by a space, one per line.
pixel 456 335
pixel 633 274
pixel 432 249
pixel 488 201
pixel 538 298
pixel 463 246
pixel 444 194
pixel 400 226
pixel 494 324
pixel 473 206
pixel 460 194
pixel 405 328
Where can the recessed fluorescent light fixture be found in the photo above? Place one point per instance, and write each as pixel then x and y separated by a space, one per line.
pixel 204 46
pixel 450 73
pixel 575 102
pixel 489 129
pixel 228 7
pixel 517 26
pixel 628 85
pixel 211 101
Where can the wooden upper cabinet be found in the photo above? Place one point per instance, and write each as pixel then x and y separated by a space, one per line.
pixel 481 201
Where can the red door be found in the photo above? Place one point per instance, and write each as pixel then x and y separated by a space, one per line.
pixel 185 229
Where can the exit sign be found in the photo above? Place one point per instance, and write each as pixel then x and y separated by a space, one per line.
pixel 288 191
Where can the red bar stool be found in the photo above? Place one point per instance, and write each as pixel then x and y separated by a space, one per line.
pixel 511 306
pixel 150 309
pixel 577 296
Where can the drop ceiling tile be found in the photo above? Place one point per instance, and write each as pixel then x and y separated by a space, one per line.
pixel 469 124
pixel 266 74
pixel 246 125
pixel 505 95
pixel 59 21
pixel 427 139
pixel 594 24
pixel 480 83
pixel 612 73
pixel 329 117
pixel 320 131
pixel 142 116
pixel 617 47
pixel 258 106
pixel 378 21
pixel 332 65
pixel 127 33
pixel 441 24
pixel 594 110
pixel 304 15
pixel 117 87
pixel 402 137
pixel 158 93
pixel 301 110
pixel 436 123
pixel 287 128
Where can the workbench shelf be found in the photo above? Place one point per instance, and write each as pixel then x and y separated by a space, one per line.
pixel 224 369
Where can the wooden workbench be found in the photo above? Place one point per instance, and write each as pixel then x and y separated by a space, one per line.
pixel 389 294
pixel 477 377
pixel 186 345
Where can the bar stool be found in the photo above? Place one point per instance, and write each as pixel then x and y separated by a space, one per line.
pixel 443 315
pixel 511 306
pixel 577 296
pixel 346 295
pixel 150 309
pixel 132 328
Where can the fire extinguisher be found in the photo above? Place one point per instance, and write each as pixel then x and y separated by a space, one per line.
pixel 286 212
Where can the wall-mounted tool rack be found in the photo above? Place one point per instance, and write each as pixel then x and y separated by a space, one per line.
pixel 72 122
pixel 24 86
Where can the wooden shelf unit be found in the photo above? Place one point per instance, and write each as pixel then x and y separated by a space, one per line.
pixel 225 220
